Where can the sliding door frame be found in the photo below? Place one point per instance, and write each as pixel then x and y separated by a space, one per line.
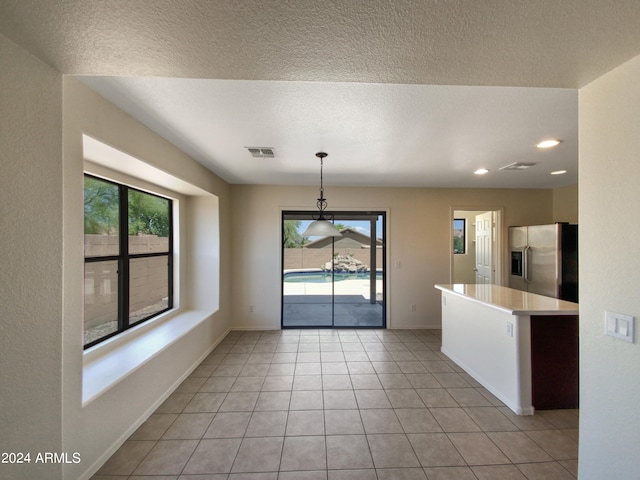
pixel 336 216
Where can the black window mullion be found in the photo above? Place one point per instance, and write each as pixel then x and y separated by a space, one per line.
pixel 148 255
pixel 333 281
pixel 123 262
pixel 106 258
pixel 170 257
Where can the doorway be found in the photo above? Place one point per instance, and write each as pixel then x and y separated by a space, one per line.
pixel 476 246
pixel 334 281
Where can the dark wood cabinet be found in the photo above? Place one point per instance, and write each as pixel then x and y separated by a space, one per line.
pixel 554 362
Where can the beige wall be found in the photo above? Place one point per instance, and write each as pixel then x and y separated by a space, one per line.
pixel 31 295
pixel 609 273
pixel 418 236
pixel 565 204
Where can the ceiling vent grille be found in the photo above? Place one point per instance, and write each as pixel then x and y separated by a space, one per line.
pixel 518 166
pixel 261 152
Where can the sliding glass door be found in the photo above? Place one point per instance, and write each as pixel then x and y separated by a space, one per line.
pixel 334 281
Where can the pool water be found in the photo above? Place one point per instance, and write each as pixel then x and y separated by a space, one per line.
pixel 325 277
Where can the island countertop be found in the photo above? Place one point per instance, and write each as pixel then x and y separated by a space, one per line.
pixel 509 300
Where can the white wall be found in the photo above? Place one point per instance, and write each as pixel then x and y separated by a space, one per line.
pixel 31 276
pixel 97 428
pixel 609 273
pixel 41 375
pixel 419 236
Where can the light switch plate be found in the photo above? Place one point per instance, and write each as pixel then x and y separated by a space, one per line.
pixel 619 325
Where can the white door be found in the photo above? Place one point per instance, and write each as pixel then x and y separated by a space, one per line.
pixel 484 243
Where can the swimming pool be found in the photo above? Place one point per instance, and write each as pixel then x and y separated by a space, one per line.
pixel 325 277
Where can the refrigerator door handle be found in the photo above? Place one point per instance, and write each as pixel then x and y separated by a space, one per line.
pixel 525 263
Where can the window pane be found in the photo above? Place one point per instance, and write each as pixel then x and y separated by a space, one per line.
pixel 149 223
pixel 149 292
pixel 101 217
pixel 458 235
pixel 100 300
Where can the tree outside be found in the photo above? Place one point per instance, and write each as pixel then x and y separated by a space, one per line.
pixel 101 206
pixel 458 244
pixel 147 215
pixel 291 236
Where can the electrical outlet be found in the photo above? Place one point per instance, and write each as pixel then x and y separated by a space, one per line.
pixel 251 308
pixel 412 307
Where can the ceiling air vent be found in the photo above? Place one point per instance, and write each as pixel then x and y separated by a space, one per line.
pixel 518 166
pixel 261 152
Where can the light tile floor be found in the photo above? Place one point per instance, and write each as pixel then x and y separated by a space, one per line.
pixel 341 405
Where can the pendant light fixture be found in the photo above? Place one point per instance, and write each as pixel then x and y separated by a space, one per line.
pixel 321 227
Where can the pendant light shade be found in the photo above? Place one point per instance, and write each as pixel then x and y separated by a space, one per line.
pixel 321 227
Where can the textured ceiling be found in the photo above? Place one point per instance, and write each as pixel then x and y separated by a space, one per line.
pixel 542 43
pixel 272 51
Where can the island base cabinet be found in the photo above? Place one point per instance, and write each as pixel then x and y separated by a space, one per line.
pixel 520 346
pixel 554 362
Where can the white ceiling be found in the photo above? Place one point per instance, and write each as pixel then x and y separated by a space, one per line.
pixel 409 92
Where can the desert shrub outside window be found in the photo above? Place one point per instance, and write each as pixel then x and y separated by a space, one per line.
pixel 128 261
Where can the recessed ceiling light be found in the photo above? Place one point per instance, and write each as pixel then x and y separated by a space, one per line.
pixel 559 172
pixel 481 171
pixel 548 143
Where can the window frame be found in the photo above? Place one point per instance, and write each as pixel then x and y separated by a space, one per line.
pixel 124 258
pixel 464 235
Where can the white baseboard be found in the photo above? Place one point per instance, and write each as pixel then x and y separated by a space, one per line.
pixel 258 328
pixel 417 326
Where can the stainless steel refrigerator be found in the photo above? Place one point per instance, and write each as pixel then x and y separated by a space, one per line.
pixel 544 260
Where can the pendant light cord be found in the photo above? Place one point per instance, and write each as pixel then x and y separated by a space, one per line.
pixel 321 187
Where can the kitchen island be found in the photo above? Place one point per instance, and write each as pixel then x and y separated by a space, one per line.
pixel 520 346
